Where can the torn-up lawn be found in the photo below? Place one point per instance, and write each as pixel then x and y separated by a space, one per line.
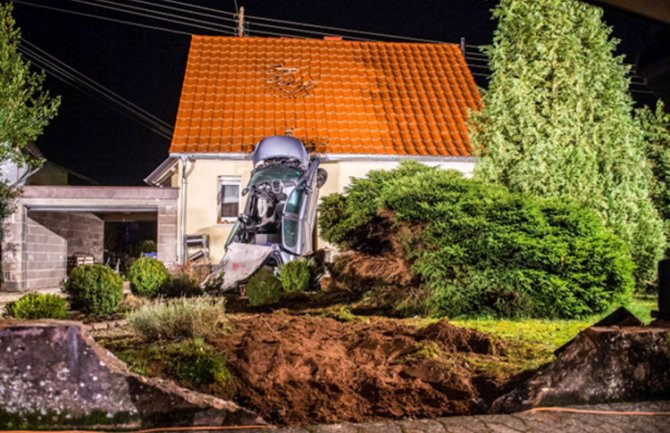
pixel 329 365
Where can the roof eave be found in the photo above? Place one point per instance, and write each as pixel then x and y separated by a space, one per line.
pixel 162 172
pixel 335 157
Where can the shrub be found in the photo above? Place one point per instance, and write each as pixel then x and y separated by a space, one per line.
pixel 147 276
pixel 147 246
pixel 197 364
pixel 264 288
pixel 94 289
pixel 298 275
pixel 37 306
pixel 180 285
pixel 179 318
pixel 477 248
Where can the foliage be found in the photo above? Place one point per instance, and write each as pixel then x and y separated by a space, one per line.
pixel 479 249
pixel 179 318
pixel 147 246
pixel 34 306
pixel 94 289
pixel 147 276
pixel 298 275
pixel 214 282
pixel 656 127
pixel 192 362
pixel 180 285
pixel 557 120
pixel 25 108
pixel 263 288
pixel 197 363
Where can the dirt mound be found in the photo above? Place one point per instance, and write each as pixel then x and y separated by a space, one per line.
pixel 301 369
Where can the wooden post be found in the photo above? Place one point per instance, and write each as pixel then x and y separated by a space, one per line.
pixel 240 23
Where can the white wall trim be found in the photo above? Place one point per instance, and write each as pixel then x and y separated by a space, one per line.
pixel 332 157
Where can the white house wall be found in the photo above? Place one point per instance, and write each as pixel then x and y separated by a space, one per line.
pixel 203 180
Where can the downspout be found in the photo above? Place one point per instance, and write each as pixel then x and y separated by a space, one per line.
pixel 24 248
pixel 182 193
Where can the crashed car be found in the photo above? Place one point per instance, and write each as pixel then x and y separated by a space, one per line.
pixel 278 222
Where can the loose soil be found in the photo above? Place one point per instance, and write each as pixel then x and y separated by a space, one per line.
pixel 296 369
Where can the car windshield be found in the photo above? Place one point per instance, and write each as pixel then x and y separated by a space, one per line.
pixel 279 172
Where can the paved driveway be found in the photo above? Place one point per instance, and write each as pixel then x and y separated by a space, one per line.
pixel 523 422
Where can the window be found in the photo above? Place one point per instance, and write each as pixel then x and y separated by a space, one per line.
pixel 229 198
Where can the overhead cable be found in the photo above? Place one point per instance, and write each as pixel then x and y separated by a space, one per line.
pixel 114 20
pixel 96 90
pixel 152 15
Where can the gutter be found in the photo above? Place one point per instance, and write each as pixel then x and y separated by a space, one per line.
pixel 163 171
pixel 333 157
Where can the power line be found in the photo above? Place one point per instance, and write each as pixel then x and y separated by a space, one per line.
pixel 307 32
pixel 130 23
pixel 92 82
pixel 193 12
pixel 218 11
pixel 77 85
pixel 316 26
pixel 475 60
pixel 152 15
pixel 76 79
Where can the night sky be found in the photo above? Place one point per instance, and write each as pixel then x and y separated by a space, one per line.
pixel 147 66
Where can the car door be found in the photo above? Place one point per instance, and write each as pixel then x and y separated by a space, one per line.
pixel 299 213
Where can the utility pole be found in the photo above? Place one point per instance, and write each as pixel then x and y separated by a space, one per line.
pixel 240 23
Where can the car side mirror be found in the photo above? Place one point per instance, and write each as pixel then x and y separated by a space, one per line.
pixel 245 191
pixel 321 177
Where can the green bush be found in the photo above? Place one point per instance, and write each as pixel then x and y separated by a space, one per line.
pixel 298 275
pixel 147 246
pixel 263 288
pixel 180 285
pixel 94 289
pixel 37 306
pixel 195 364
pixel 179 318
pixel 478 249
pixel 147 276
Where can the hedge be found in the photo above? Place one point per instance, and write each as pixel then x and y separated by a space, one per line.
pixel 479 249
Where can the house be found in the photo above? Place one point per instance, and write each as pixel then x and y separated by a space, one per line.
pixel 358 105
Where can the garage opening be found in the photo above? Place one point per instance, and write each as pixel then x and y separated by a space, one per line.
pixel 57 241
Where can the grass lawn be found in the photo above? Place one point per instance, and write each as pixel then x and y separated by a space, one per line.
pixel 532 342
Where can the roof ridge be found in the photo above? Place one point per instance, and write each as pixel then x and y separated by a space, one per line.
pixel 330 41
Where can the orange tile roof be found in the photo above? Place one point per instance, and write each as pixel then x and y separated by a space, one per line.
pixel 346 97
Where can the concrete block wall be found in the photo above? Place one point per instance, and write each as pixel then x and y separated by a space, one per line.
pixel 12 252
pixel 166 235
pixel 84 232
pixel 46 256
pixel 52 237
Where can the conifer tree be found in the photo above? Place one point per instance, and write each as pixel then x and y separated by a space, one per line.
pixel 558 119
pixel 656 127
pixel 25 108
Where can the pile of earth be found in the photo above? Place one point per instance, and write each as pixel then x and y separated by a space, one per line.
pixel 297 369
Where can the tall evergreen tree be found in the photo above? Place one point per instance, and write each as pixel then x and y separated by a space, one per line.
pixel 558 119
pixel 25 108
pixel 656 127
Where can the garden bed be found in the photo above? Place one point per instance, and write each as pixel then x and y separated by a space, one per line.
pixel 324 365
pixel 297 369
